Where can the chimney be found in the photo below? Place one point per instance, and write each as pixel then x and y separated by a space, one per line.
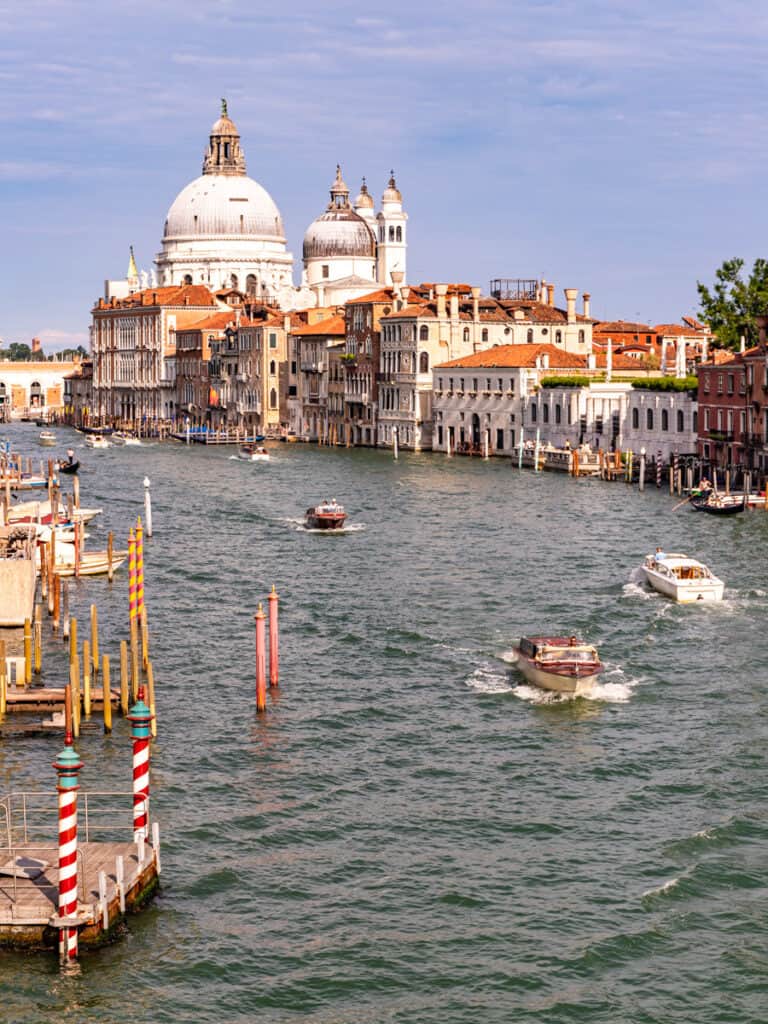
pixel 609 360
pixel 397 284
pixel 570 298
pixel 550 294
pixel 287 323
pixel 762 323
pixel 541 294
pixel 591 361
pixel 476 304
pixel 406 292
pixel 742 344
pixel 664 342
pixel 587 297
pixel 454 306
pixel 440 292
pixel 545 360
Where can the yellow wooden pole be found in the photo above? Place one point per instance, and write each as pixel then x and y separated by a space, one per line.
pixel 123 678
pixel 38 639
pixel 3 680
pixel 95 639
pixel 72 638
pixel 106 694
pixel 27 652
pixel 87 678
pixel 74 688
pixel 151 696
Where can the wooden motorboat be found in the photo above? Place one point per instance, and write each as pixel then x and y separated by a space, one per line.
pixel 253 453
pixel 46 438
pixel 329 515
pixel 92 563
pixel 559 663
pixel 682 578
pixel 41 512
pixel 97 441
pixel 124 438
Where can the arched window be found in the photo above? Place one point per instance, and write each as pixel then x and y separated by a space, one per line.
pixel 680 421
pixel 695 424
pixel 391 233
pixel 529 336
pixel 635 418
pixel 273 399
pixel 545 413
pixel 533 412
pixel 272 367
pixel 424 333
pixel 558 337
pixel 233 281
pixel 581 337
pixel 558 413
pixel 35 393
pixel 649 419
pixel 187 279
pixel 665 419
pixel 250 284
pixel 466 334
pixel 424 362
pixel 484 334
pixel 399 234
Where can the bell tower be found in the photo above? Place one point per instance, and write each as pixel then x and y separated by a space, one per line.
pixel 391 234
pixel 224 155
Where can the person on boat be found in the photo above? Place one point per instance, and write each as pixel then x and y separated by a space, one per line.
pixel 70 455
pixel 659 556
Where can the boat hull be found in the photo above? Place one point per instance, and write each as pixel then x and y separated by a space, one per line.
pixel 324 521
pixel 571 684
pixel 685 591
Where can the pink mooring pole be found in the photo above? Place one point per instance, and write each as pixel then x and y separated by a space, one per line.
pixel 274 642
pixel 261 661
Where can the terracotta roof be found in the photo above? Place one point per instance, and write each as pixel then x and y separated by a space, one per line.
pixel 382 295
pixel 215 322
pixel 334 325
pixel 511 356
pixel 676 329
pixel 173 295
pixel 621 327
pixel 618 361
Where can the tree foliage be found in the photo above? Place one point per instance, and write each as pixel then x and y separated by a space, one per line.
pixel 17 352
pixel 731 305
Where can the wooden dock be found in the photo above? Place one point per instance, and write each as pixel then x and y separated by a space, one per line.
pixel 114 878
pixel 50 699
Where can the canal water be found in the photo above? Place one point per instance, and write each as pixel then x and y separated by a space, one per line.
pixel 411 835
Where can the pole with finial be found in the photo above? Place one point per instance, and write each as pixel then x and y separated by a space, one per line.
pixel 68 766
pixel 261 662
pixel 274 641
pixel 140 718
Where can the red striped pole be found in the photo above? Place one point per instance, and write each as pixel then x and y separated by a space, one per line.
pixel 68 766
pixel 261 662
pixel 140 718
pixel 274 642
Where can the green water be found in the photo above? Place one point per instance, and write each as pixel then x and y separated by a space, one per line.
pixel 411 834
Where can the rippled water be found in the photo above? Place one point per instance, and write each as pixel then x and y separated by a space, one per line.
pixel 412 834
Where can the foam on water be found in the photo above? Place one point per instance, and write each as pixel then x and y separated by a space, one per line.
pixel 660 890
pixel 300 526
pixel 635 586
pixel 487 678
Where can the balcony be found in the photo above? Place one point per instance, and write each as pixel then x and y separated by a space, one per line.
pixel 721 436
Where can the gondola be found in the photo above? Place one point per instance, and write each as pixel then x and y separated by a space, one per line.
pixel 721 505
pixel 69 467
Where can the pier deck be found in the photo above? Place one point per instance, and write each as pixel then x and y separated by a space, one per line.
pixel 29 906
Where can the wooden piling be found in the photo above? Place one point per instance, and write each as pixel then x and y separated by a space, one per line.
pixel 110 547
pixel 274 641
pixel 74 689
pixel 72 634
pixel 95 639
pixel 151 698
pixel 3 679
pixel 261 673
pixel 123 678
pixel 27 652
pixel 56 601
pixel 106 694
pixel 87 678
pixel 42 550
pixel 38 639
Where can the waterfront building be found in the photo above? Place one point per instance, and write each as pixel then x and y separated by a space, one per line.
pixel 733 408
pixel 224 230
pixel 193 352
pixel 78 394
pixel 33 388
pixel 313 344
pixel 133 345
pixel 337 424
pixel 363 319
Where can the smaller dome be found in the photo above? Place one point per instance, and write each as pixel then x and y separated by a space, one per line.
pixel 224 126
pixel 364 199
pixel 392 193
pixel 338 233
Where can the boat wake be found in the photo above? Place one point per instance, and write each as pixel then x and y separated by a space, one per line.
pixel 488 679
pixel 635 586
pixel 614 687
pixel 300 526
pixel 661 890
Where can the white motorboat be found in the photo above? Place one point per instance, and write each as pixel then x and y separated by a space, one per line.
pixel 97 441
pixel 124 439
pixel 47 439
pixel 251 453
pixel 682 578
pixel 564 664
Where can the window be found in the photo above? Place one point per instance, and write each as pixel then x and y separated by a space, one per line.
pixel 730 383
pixel 743 423
pixel 466 334
pixel 187 279
pixel 719 383
pixel 250 284
pixel 474 383
pixel 533 412
pixel 484 335
pixel 325 271
pixel 680 421
pixel 391 234
pixel 399 234
pixel 581 337
pixel 545 413
pixel 273 399
pixel 293 367
pixel 500 384
pixel 499 439
pixel 706 382
pixel 424 362
pixel 529 336
pixel 272 340
pixel 424 333
pixel 233 281
pixel 695 422
pixel 450 383
pixel 665 419
pixel 558 413
pixel 706 419
pixel 558 337
pixel 272 367
pixel 649 419
pixel 635 418
pixel 461 383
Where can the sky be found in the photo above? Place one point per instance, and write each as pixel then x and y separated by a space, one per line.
pixel 613 146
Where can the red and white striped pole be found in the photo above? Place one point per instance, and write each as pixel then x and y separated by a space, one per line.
pixel 68 766
pixel 274 642
pixel 140 718
pixel 261 661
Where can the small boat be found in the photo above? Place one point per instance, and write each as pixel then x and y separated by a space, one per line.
pixel 46 438
pixel 329 515
pixel 564 664
pixel 69 467
pixel 123 438
pixel 719 504
pixel 97 441
pixel 253 453
pixel 682 578
pixel 92 563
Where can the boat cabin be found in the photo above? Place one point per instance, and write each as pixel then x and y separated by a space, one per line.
pixel 557 649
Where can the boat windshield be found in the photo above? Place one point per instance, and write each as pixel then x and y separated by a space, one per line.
pixel 691 572
pixel 581 654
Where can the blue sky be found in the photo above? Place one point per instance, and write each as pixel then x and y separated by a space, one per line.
pixel 613 146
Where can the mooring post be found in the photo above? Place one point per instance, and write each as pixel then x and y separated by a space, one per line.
pixel 141 612
pixel 3 680
pixel 394 442
pixel 95 639
pixel 261 668
pixel 274 641
pixel 68 767
pixel 65 609
pixel 132 614
pixel 110 547
pixel 124 700
pixel 106 694
pixel 147 507
pixel 140 718
pixel 27 652
pixel 658 468
pixel 87 678
pixel 641 477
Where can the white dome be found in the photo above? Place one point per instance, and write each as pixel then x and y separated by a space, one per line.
pixel 224 206
pixel 338 233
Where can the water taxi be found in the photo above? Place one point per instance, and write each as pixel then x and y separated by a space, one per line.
pixel 46 439
pixel 564 664
pixel 253 453
pixel 682 578
pixel 97 441
pixel 329 515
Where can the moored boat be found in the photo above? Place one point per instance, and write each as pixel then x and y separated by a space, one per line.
pixel 682 578
pixel 329 515
pixel 719 504
pixel 562 664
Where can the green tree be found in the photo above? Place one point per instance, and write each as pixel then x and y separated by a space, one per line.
pixel 731 305
pixel 18 352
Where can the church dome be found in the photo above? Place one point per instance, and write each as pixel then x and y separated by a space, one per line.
pixel 224 205
pixel 392 193
pixel 338 233
pixel 364 198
